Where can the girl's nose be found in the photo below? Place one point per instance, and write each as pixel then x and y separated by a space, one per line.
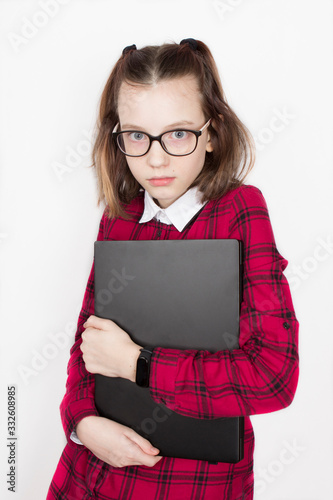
pixel 156 156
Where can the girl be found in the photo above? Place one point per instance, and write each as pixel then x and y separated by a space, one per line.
pixel 171 157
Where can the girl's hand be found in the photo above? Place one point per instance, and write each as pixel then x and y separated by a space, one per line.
pixel 115 444
pixel 108 350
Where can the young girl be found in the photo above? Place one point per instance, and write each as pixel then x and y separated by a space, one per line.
pixel 171 157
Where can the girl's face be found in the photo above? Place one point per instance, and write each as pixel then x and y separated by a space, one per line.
pixel 156 109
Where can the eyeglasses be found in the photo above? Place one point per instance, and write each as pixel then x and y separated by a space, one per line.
pixel 176 142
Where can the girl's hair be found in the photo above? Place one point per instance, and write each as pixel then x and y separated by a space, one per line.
pixel 225 168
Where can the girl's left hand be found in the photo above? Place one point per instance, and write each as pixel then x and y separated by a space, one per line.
pixel 108 350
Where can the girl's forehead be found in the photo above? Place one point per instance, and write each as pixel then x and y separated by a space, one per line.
pixel 178 95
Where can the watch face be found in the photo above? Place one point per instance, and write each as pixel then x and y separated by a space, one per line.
pixel 142 375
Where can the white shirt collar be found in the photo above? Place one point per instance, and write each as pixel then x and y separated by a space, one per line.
pixel 179 213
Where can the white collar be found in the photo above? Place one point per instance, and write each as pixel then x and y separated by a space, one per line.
pixel 179 213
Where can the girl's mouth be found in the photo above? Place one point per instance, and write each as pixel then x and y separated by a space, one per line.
pixel 161 181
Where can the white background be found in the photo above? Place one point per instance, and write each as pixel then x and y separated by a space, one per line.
pixel 274 56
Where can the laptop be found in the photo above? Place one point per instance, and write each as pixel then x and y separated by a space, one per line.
pixel 182 294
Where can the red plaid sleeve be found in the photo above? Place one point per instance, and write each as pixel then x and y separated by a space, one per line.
pixel 78 401
pixel 261 376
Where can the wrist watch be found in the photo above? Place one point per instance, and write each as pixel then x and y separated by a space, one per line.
pixel 143 367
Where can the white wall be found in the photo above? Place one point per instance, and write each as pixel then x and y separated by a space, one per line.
pixel 274 57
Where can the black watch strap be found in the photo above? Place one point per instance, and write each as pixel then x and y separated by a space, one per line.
pixel 143 367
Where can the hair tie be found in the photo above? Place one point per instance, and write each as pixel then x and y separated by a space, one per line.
pixel 191 42
pixel 128 48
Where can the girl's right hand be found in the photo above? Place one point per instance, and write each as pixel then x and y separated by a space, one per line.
pixel 114 443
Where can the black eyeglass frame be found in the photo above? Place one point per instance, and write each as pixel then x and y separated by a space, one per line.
pixel 158 138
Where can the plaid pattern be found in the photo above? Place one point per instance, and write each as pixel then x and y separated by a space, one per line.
pixel 259 377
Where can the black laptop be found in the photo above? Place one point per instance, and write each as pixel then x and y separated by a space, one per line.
pixel 182 294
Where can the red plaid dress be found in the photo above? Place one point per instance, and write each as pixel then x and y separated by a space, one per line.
pixel 259 377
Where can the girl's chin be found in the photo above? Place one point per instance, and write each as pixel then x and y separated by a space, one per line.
pixel 164 202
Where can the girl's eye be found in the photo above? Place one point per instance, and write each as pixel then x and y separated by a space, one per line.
pixel 179 134
pixel 137 136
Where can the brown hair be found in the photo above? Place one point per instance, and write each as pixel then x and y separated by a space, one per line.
pixel 225 168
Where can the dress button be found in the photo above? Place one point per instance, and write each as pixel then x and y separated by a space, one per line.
pixel 286 325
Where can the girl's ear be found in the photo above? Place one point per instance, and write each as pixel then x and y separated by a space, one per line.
pixel 209 146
